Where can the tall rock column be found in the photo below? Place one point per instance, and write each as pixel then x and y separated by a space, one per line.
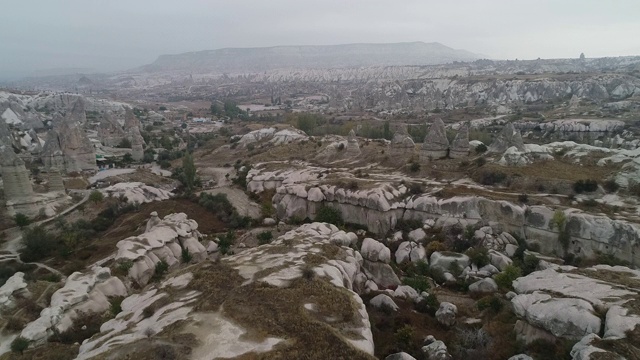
pixel 460 145
pixel 436 144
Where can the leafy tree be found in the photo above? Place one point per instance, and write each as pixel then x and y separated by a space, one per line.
pixel 507 276
pixel 127 158
pixel 387 131
pixel 189 172
pixel 37 243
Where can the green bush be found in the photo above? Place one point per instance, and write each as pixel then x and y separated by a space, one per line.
pixel 96 196
pixel 507 276
pixel 37 244
pixel 414 167
pixel 420 283
pixel 329 215
pixel 404 337
pixel 478 255
pixel 21 220
pixel 161 268
pixel 226 241
pixel 115 305
pixel 490 302
pixel 186 256
pixel 428 305
pixel 19 344
pixel 265 237
pixel 611 186
pixel 221 207
pixel 588 185
pixel 482 148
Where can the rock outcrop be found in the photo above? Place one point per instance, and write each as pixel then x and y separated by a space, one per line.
pixel 162 242
pixel 402 144
pixel 132 127
pixel 69 137
pixel 110 133
pixel 436 144
pixel 14 287
pixel 83 294
pixel 136 192
pixel 460 145
pixel 509 137
pixel 353 148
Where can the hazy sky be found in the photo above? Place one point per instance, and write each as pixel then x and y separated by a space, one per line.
pixel 117 34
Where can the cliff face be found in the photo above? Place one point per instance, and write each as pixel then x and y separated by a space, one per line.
pixel 381 207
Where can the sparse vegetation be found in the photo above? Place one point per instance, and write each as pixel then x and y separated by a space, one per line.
pixel 96 196
pixel 329 215
pixel 265 237
pixel 21 220
pixel 507 276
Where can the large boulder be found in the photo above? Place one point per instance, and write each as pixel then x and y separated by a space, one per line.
pixel 446 314
pixel 484 286
pixel 410 251
pixel 15 286
pixel 380 273
pixel 460 145
pixel 374 250
pixel 383 302
pixel 565 317
pixel 446 260
pixel 400 356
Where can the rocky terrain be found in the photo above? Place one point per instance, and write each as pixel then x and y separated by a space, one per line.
pixel 478 210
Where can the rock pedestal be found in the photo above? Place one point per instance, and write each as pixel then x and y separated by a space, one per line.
pixel 402 144
pixel 436 144
pixel 353 149
pixel 460 145
pixel 509 137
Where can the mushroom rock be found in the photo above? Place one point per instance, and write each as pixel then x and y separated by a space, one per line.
pixel 110 133
pixel 77 150
pixel 509 137
pixel 402 142
pixel 353 149
pixel 436 144
pixel 15 175
pixel 132 126
pixel 460 146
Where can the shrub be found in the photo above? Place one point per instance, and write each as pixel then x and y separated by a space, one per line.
pixel 22 220
pixel 523 198
pixel 329 215
pixel 428 305
pixel 420 283
pixel 479 162
pixel 422 268
pixel 433 247
pixel 186 256
pixel 404 336
pixel 221 207
pixel 507 276
pixel 96 196
pixel 416 188
pixel 37 243
pixel 265 237
pixel 588 185
pixel 19 344
pixel 482 148
pixel 161 268
pixel 115 306
pixel 408 224
pixel 490 302
pixel 308 273
pixel 478 255
pixel 611 186
pixel 414 167
pixel 148 312
pixel 84 327
pixel 492 177
pixel 226 241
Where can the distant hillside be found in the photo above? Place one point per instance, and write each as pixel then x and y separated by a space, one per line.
pixel 234 60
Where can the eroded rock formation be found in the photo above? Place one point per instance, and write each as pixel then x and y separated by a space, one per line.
pixel 436 144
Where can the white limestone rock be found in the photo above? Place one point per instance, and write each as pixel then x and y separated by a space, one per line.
pixel 14 286
pixel 564 317
pixel 375 251
pixel 383 302
pixel 406 292
pixel 86 293
pixel 437 350
pixel 136 192
pixel 417 235
pixel 410 251
pixel 400 356
pixel 499 260
pixel 446 314
pixel 445 260
pixel 484 286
